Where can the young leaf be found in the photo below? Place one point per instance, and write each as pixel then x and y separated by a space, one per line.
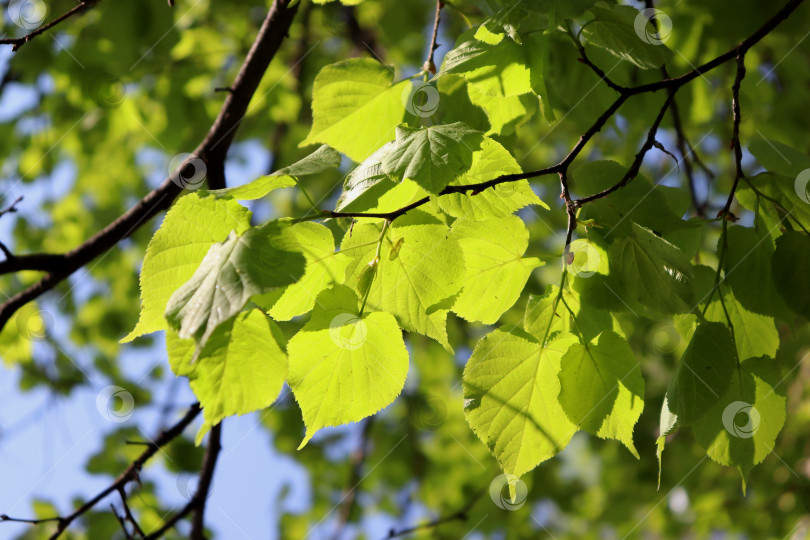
pixel 420 266
pixel 510 395
pixel 791 268
pixel 740 430
pixel 747 261
pixel 256 189
pixel 191 225
pixel 601 388
pixel 432 156
pixel 241 369
pixel 231 272
pixel 496 271
pixel 355 108
pixel 344 367
pixel 704 373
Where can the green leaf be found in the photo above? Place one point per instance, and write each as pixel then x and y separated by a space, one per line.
pixel 490 161
pixel 344 367
pixel 754 334
pixel 747 261
pixel 704 373
pixel 614 29
pixel 355 108
pixel 232 271
pixel 320 160
pixel 740 430
pixel 420 267
pixel 601 388
pixel 191 225
pixel 510 398
pixel 323 267
pixel 496 271
pixel 256 189
pixel 590 320
pixel 324 158
pixel 432 156
pixel 652 273
pixel 241 369
pixel 791 268
pixel 779 158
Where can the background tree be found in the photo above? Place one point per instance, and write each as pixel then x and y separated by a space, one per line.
pixel 437 250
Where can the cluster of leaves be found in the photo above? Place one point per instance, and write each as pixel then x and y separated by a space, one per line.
pixel 219 286
pixel 355 313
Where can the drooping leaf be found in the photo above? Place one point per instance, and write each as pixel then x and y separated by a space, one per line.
pixel 325 157
pixel 791 268
pixel 496 271
pixel 191 225
pixel 510 393
pixel 754 334
pixel 344 367
pixel 704 373
pixel 748 260
pixel 740 430
pixel 254 262
pixel 256 189
pixel 601 388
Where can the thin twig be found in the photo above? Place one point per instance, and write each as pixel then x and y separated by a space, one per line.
pixel 16 43
pixel 130 474
pixel 735 133
pixel 460 515
pixel 429 66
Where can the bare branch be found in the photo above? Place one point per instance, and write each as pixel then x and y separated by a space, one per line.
pixel 429 66
pixel 735 133
pixel 81 7
pixel 130 474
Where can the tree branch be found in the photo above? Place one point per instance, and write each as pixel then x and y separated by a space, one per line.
pixel 429 66
pixel 16 43
pixel 212 151
pixel 197 502
pixel 735 133
pixel 460 515
pixel 633 171
pixel 131 473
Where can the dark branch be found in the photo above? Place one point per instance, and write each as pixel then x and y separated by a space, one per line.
pixel 131 473
pixel 633 171
pixel 460 515
pixel 127 512
pixel 212 151
pixel 358 459
pixel 16 43
pixel 735 132
pixel 197 502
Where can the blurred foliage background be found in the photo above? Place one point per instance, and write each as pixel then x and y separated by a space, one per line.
pixel 93 112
